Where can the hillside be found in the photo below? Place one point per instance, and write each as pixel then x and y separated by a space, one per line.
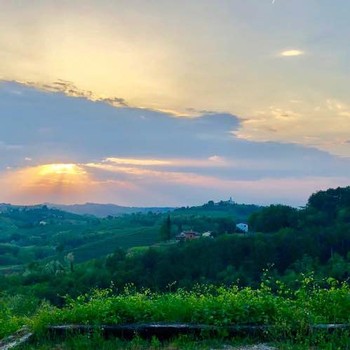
pixel 104 210
pixel 284 240
pixel 239 212
pixel 29 234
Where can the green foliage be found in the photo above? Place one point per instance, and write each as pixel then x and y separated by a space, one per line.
pixel 274 218
pixel 15 312
pixel 165 229
pixel 290 312
pixel 29 234
pixel 331 200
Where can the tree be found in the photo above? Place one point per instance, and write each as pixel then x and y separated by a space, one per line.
pixel 273 218
pixel 330 201
pixel 70 259
pixel 112 260
pixel 165 229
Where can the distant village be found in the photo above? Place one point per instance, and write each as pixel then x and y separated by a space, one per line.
pixel 241 228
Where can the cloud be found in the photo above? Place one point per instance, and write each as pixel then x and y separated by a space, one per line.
pixel 212 161
pixel 340 108
pixel 35 184
pixel 291 53
pixel 324 125
pixel 216 160
pixel 226 56
pixel 70 89
pixel 181 188
pixel 130 161
pixel 136 156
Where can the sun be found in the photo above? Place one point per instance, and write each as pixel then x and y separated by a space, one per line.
pixel 60 169
pixel 56 182
pixel 66 176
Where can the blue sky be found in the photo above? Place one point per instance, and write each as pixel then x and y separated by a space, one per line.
pixel 173 103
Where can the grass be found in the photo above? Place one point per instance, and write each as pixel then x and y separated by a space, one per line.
pixel 290 313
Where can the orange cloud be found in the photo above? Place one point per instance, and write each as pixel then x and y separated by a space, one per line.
pixel 58 182
pixel 213 161
pixel 133 161
pixel 127 185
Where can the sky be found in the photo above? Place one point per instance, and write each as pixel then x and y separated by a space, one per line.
pixel 164 103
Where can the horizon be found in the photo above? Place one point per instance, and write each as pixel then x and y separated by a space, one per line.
pixel 164 104
pixel 148 206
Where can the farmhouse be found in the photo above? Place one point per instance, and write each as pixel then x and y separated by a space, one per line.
pixel 187 236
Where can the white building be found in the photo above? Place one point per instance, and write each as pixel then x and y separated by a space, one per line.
pixel 242 227
pixel 207 234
